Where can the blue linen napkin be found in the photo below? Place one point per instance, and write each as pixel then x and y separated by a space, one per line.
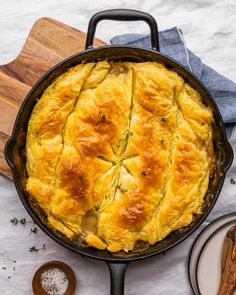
pixel 172 44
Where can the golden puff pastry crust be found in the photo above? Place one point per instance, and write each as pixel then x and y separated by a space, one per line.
pixel 119 153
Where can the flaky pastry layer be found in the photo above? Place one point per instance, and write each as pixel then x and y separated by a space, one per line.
pixel 119 153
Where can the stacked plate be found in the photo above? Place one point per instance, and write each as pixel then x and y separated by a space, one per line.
pixel 204 267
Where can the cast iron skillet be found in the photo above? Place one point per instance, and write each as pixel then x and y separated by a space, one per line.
pixel 15 147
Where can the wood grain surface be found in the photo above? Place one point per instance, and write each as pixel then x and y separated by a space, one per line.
pixel 49 42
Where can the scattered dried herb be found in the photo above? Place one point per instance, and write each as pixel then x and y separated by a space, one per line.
pixel 102 118
pixel 123 190
pixel 119 143
pixel 14 261
pixel 14 268
pixel 126 136
pixel 14 221
pixel 22 221
pixel 9 277
pixel 143 173
pixel 33 230
pixel 81 178
pixel 34 249
pixel 162 141
pixel 232 181
pixel 163 120
pixel 3 267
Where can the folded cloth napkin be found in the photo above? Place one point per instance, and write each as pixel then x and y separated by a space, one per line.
pixel 172 44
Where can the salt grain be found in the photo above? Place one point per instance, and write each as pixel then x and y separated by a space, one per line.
pixel 54 281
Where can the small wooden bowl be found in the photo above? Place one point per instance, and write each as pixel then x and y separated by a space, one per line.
pixel 36 282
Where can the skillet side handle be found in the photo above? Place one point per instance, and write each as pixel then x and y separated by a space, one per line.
pixel 123 15
pixel 117 274
pixel 8 151
pixel 229 156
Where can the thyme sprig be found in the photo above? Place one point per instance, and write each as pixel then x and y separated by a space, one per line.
pixel 35 249
pixel 15 221
pixel 23 221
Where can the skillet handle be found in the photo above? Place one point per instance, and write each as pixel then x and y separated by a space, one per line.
pixel 117 274
pixel 122 15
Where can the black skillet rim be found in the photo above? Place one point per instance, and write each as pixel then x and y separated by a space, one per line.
pixel 227 162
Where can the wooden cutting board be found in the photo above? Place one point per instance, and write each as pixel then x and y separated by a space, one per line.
pixel 49 42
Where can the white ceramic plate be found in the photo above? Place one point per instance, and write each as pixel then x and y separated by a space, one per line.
pixel 209 263
pixel 197 281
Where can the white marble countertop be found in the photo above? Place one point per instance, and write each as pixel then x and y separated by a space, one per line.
pixel 209 28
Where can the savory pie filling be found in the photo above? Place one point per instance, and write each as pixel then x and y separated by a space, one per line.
pixel 119 153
